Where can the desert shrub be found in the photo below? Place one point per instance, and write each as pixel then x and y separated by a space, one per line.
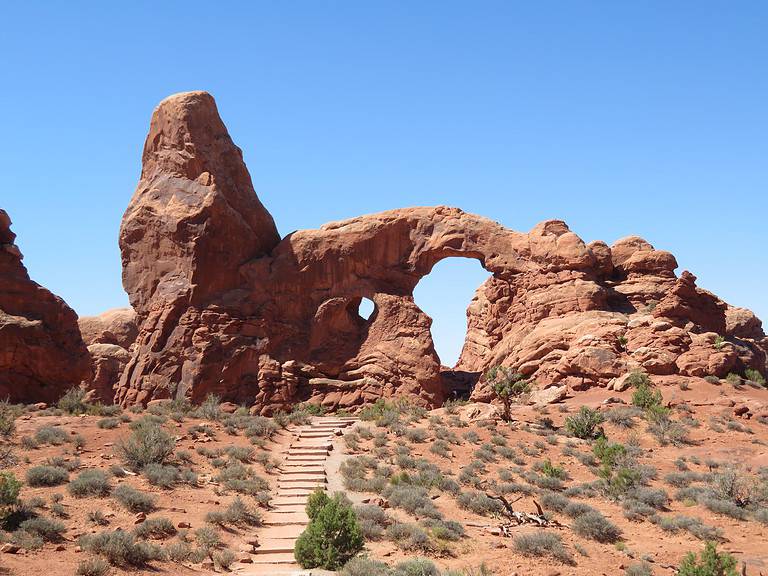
pixel 440 448
pixel 54 435
pixel 624 416
pixel 724 507
pixel 416 567
pixel 585 424
pixel 471 436
pixel 9 491
pixel 134 500
pixel 90 483
pixel 545 544
pixel 479 503
pixel 73 401
pixel 209 408
pixel 333 535
pixel 161 475
pixel 362 566
pixel 178 551
pixel 413 499
pixel 208 539
pixel 709 563
pixel 8 415
pixel 46 476
pixel 156 528
pixel 754 376
pixel 655 497
pixel 373 520
pixel 243 480
pixel 554 501
pixel 692 525
pixel 240 453
pixel 639 569
pixel 411 537
pixel 148 444
pixel 92 567
pixel 666 430
pixel 595 526
pixel 552 471
pixel 417 435
pixel 108 423
pixel 45 528
pixel 97 517
pixel 644 396
pixel 238 513
pixel 223 559
pixel 508 386
pixel 120 548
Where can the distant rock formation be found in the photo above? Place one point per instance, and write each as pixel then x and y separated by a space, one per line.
pixel 226 307
pixel 41 351
pixel 109 337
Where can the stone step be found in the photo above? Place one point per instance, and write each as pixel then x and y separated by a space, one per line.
pixel 275 546
pixel 274 558
pixel 291 478
pixel 290 531
pixel 289 508
pixel 308 451
pixel 306 458
pixel 290 492
pixel 309 487
pixel 317 434
pixel 290 501
pixel 285 519
pixel 294 470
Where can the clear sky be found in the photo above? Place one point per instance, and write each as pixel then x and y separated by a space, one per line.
pixel 647 117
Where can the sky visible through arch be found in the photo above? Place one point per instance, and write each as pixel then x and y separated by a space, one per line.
pixel 619 118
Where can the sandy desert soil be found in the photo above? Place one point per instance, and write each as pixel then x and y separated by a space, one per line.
pixel 413 474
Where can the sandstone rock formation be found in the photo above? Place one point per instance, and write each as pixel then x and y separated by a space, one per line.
pixel 109 337
pixel 41 351
pixel 226 307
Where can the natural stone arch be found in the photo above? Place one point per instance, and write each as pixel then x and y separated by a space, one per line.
pixel 225 306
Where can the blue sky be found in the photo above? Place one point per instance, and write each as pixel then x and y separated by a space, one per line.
pixel 621 118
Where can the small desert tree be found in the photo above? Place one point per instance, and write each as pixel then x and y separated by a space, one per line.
pixel 9 492
pixel 333 535
pixel 710 563
pixel 508 386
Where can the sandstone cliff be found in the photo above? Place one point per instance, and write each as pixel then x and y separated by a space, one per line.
pixel 41 351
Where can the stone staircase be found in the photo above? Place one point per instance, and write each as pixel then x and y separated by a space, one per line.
pixel 301 473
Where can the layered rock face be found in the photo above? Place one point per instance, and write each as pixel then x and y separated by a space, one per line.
pixel 226 307
pixel 41 351
pixel 109 337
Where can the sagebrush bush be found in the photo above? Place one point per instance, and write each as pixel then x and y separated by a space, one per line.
pixel 73 401
pixel 361 566
pixel 479 503
pixel 542 544
pixel 47 476
pixel 333 535
pixel 92 567
pixel 54 435
pixel 162 475
pixel 90 483
pixel 156 528
pixel 595 526
pixel 585 424
pixel 754 376
pixel 108 423
pixel 47 529
pixel 148 444
pixel 120 548
pixel 134 500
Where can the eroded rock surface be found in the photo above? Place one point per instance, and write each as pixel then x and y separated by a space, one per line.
pixel 226 307
pixel 41 351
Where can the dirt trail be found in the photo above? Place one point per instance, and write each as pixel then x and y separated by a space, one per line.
pixel 302 470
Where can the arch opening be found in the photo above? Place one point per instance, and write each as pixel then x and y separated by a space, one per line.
pixel 444 295
pixel 365 308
